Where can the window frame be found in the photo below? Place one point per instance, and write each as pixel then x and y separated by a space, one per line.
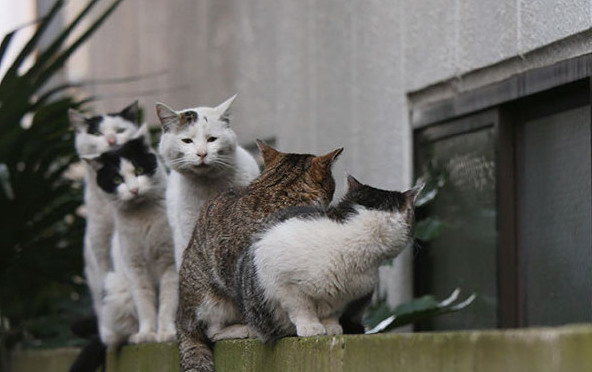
pixel 508 103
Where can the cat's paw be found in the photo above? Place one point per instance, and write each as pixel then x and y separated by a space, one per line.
pixel 143 337
pixel 251 333
pixel 310 329
pixel 334 329
pixel 233 331
pixel 166 337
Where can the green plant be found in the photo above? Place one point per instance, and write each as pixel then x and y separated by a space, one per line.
pixel 380 317
pixel 41 240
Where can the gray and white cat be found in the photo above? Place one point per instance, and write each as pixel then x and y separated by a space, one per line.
pixel 201 149
pixel 303 270
pixel 133 180
pixel 95 135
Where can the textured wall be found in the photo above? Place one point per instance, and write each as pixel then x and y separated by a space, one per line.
pixel 317 74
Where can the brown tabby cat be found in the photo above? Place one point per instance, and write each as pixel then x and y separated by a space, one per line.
pixel 207 310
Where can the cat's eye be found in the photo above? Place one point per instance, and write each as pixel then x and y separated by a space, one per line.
pixel 187 140
pixel 117 180
pixel 120 130
pixel 139 171
pixel 212 139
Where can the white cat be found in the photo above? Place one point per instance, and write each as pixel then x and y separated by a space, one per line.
pixel 95 135
pixel 133 180
pixel 201 149
pixel 303 270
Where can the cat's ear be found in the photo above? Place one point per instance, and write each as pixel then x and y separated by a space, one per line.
pixel 327 160
pixel 414 192
pixel 322 164
pixel 353 184
pixel 169 118
pixel 131 113
pixel 269 154
pixel 93 160
pixel 77 120
pixel 223 110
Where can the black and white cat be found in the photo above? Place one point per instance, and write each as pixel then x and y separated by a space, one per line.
pixel 144 283
pixel 201 149
pixel 303 270
pixel 96 135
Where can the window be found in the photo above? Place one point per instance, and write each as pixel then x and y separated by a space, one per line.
pixel 553 208
pixel 516 202
pixel 461 152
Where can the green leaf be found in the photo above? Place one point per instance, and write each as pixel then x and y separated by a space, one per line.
pixel 5 44
pixel 59 61
pixel 41 240
pixel 381 318
pixel 429 229
pixel 49 53
pixel 30 46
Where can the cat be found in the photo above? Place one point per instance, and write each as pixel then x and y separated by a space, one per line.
pixel 133 180
pixel 207 310
pixel 95 135
pixel 308 264
pixel 201 149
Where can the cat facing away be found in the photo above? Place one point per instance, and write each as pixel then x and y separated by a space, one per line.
pixel 308 264
pixel 201 149
pixel 141 293
pixel 96 135
pixel 207 307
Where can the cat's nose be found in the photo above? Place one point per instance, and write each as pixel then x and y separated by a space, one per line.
pixel 134 190
pixel 111 140
pixel 202 154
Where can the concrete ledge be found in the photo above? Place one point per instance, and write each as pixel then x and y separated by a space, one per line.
pixel 553 349
pixel 562 349
pixel 50 360
pixel 144 358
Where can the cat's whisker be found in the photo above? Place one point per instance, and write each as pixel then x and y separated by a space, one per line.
pixel 223 164
pixel 175 162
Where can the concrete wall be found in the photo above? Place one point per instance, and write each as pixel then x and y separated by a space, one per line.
pixel 563 349
pixel 318 74
pixel 46 360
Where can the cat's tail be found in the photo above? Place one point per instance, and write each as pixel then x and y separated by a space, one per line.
pixel 195 350
pixel 352 319
pixel 91 357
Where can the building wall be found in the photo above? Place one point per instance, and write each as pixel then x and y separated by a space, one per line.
pixel 317 75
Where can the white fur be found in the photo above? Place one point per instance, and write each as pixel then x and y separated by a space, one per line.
pixel 141 294
pixel 312 268
pixel 114 131
pixel 223 319
pixel 98 236
pixel 194 178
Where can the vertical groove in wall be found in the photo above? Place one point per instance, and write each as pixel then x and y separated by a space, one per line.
pixel 312 73
pixel 407 166
pixel 456 41
pixel 354 123
pixel 402 42
pixel 519 26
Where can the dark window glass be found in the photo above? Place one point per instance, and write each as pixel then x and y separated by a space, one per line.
pixel 464 254
pixel 553 165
